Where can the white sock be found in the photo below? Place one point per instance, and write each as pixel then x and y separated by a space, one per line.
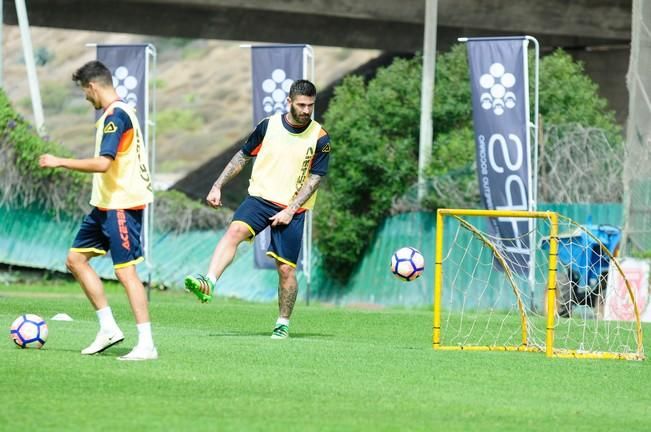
pixel 106 321
pixel 212 278
pixel 282 321
pixel 144 335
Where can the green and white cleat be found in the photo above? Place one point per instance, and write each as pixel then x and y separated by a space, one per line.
pixel 200 286
pixel 281 331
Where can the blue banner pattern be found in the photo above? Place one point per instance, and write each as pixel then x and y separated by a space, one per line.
pixel 128 65
pixel 499 84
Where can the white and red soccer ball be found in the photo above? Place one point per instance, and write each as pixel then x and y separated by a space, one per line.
pixel 407 263
pixel 29 331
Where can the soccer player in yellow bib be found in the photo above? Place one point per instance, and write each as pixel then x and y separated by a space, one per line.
pixel 121 190
pixel 292 153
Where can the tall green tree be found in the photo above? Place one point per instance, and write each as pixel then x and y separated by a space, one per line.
pixel 374 128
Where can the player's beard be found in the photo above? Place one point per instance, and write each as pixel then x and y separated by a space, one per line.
pixel 301 119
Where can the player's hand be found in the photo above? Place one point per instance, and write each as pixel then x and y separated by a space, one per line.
pixel 48 161
pixel 283 217
pixel 214 197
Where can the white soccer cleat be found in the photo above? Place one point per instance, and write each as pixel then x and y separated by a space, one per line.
pixel 103 341
pixel 140 353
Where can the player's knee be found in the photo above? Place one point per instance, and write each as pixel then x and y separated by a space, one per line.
pixel 237 233
pixel 286 271
pixel 126 274
pixel 74 261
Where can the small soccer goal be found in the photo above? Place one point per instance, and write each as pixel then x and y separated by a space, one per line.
pixel 540 289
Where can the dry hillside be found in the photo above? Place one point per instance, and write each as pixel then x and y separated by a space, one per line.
pixel 207 81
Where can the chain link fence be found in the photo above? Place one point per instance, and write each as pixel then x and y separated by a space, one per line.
pixel 579 165
pixel 576 164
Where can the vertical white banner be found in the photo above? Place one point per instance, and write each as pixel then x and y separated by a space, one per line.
pixel 619 306
pixel 128 64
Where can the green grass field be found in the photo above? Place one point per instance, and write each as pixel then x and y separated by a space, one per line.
pixel 343 369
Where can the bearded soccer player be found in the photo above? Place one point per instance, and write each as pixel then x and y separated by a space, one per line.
pixel 292 153
pixel 121 190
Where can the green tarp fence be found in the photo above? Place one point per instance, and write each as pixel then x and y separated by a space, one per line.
pixel 33 239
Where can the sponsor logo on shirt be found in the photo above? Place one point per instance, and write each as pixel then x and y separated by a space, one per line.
pixel 110 128
pixel 122 229
pixel 304 168
pixel 144 172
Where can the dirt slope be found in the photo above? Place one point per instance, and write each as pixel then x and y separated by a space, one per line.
pixel 207 81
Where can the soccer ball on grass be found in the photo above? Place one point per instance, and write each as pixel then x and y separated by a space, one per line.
pixel 407 263
pixel 29 331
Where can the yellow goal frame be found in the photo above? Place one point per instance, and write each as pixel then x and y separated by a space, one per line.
pixel 550 351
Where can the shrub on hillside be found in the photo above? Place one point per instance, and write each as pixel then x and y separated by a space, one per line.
pixel 176 212
pixel 373 158
pixel 24 183
pixel 66 192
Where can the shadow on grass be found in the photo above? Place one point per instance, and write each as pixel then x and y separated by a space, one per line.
pixel 113 351
pixel 268 334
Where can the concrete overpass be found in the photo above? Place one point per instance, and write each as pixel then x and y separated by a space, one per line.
pixel 387 25
pixel 393 26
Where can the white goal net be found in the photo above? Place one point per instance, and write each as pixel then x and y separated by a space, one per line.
pixel 488 297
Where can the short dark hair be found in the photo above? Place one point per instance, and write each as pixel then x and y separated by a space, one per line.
pixel 302 88
pixel 93 71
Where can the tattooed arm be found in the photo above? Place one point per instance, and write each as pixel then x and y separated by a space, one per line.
pixel 305 192
pixel 232 169
pixel 284 216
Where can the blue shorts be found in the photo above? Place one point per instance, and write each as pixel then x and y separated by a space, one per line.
pixel 286 240
pixel 117 231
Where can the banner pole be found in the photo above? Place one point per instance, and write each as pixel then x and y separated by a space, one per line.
pixel 308 65
pixel 427 95
pixel 536 121
pixel 533 171
pixel 150 143
pixel 32 77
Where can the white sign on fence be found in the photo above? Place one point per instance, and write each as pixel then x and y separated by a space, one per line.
pixel 618 303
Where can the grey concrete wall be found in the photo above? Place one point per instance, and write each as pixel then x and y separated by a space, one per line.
pixel 379 24
pixel 608 66
pixel 387 25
